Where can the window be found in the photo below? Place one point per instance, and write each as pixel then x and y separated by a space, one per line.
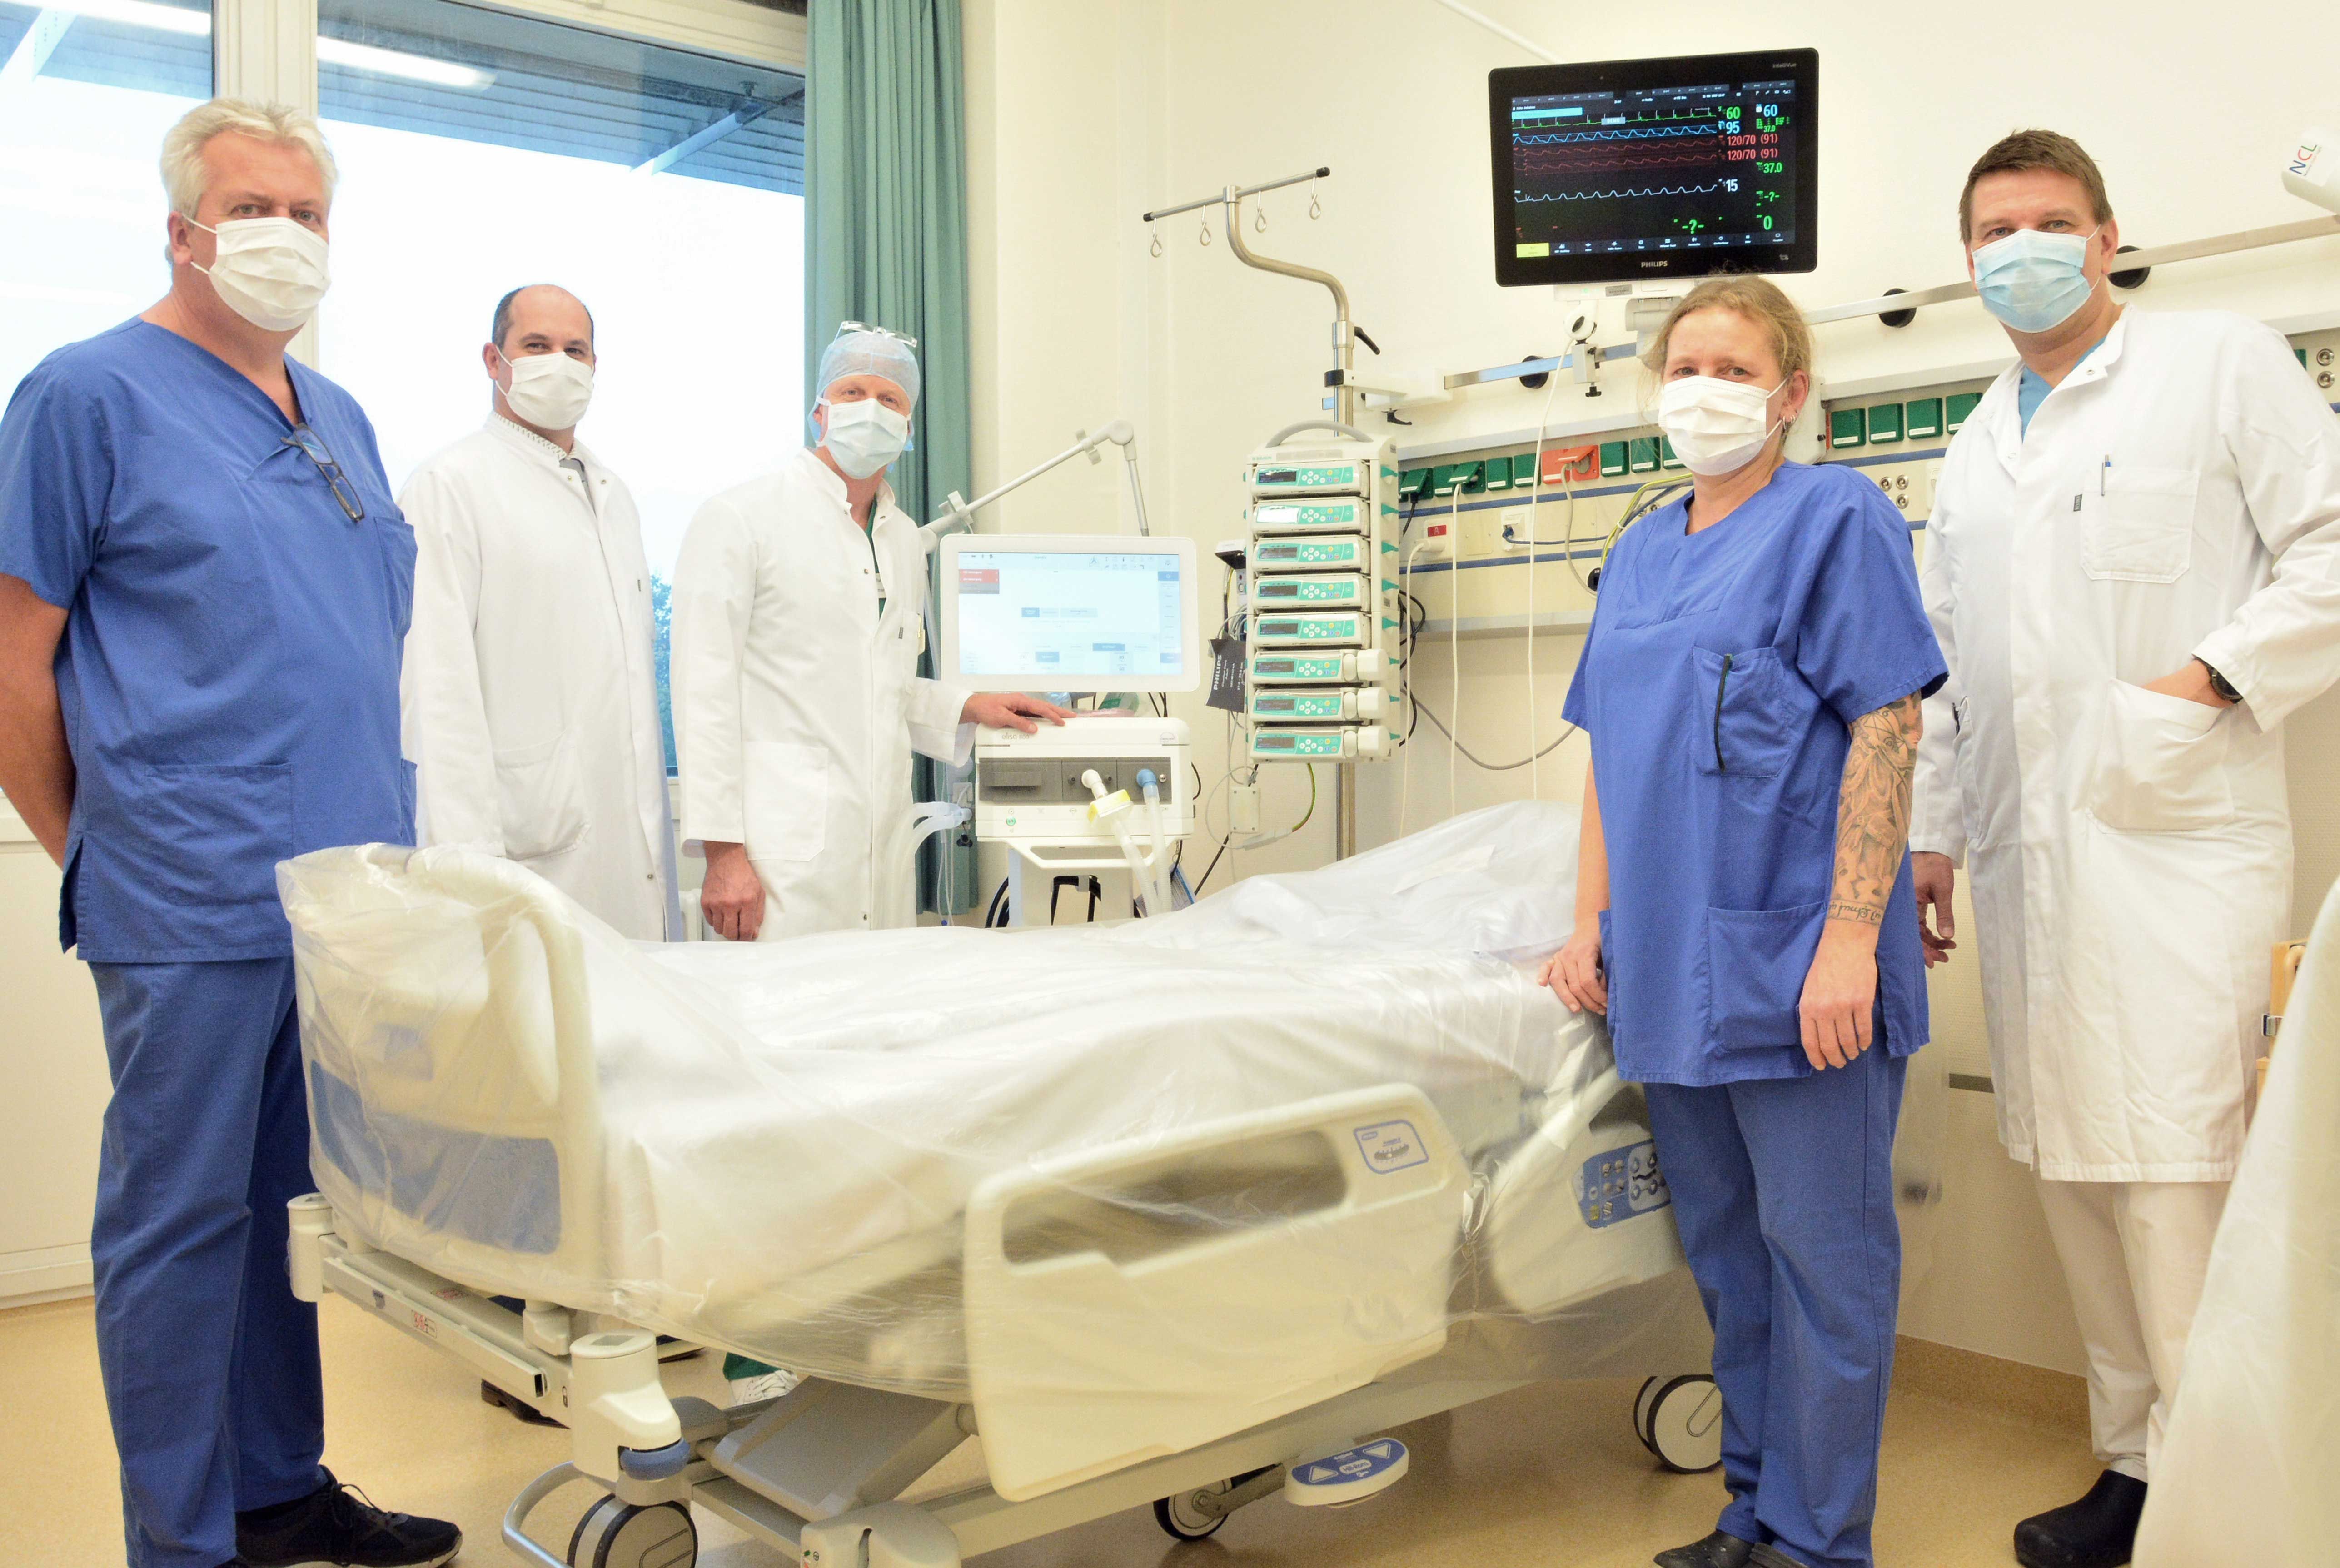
pixel 480 150
pixel 86 91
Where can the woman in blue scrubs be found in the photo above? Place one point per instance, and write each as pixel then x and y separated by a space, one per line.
pixel 1745 917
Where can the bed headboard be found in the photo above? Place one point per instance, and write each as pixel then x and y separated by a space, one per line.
pixel 446 1032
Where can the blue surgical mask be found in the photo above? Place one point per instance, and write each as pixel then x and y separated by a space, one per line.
pixel 2033 280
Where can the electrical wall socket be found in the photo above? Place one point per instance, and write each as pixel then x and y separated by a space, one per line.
pixel 1433 539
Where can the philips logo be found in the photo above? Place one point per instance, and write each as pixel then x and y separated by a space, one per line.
pixel 1659 263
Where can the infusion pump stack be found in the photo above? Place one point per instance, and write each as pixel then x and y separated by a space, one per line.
pixel 1320 627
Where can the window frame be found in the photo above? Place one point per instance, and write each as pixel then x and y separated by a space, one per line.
pixel 267 49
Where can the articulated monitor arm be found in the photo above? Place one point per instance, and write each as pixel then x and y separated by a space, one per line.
pixel 958 515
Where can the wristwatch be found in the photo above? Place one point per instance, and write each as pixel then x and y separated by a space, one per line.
pixel 2219 683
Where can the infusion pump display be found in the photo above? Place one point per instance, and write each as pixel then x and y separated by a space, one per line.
pixel 1640 168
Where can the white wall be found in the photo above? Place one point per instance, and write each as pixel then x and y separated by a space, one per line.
pixel 1082 113
pixel 53 1078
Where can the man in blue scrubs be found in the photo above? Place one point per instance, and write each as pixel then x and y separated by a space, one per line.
pixel 204 589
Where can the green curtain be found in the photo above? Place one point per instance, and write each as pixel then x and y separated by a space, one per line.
pixel 885 244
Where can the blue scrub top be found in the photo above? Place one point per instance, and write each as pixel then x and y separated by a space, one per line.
pixel 1719 684
pixel 228 668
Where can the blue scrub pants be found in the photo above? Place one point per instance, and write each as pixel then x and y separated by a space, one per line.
pixel 1783 1189
pixel 210 1364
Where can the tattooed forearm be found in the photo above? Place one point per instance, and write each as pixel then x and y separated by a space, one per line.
pixel 1872 814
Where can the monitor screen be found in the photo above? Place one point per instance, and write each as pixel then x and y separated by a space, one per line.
pixel 1677 168
pixel 1070 613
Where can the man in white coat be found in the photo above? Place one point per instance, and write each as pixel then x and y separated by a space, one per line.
pixel 528 696
pixel 2134 571
pixel 798 619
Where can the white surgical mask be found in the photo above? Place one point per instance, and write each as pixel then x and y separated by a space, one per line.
pixel 2033 280
pixel 865 436
pixel 551 392
pixel 270 271
pixel 1716 426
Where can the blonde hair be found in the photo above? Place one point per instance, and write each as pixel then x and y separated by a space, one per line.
pixel 1758 300
pixel 185 174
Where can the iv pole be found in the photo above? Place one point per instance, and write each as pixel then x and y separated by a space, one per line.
pixel 1345 353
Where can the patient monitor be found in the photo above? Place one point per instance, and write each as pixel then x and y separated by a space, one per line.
pixel 1076 615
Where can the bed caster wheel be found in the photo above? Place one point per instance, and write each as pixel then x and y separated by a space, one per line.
pixel 614 1535
pixel 1679 1420
pixel 1182 1519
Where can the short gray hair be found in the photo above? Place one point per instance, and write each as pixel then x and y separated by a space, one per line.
pixel 183 174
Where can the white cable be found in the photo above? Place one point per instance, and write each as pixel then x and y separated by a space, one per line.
pixel 1535 473
pixel 1453 637
pixel 1405 644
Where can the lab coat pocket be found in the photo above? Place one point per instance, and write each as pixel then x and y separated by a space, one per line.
pixel 1743 727
pixel 540 799
pixel 1756 962
pixel 2139 527
pixel 2161 764
pixel 786 794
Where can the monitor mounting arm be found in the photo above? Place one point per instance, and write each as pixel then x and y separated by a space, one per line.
pixel 957 515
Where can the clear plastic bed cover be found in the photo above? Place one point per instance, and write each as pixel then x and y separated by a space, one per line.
pixel 1174 1176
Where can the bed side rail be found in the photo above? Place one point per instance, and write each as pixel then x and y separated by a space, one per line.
pixel 1145 1297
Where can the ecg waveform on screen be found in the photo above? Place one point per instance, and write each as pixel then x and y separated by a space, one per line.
pixel 1623 194
pixel 1703 126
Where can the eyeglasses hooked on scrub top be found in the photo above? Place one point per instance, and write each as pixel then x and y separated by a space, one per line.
pixel 312 446
pixel 905 339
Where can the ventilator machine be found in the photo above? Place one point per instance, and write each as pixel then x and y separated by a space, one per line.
pixel 1078 614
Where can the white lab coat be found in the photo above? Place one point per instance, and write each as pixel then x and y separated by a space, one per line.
pixel 798 701
pixel 529 699
pixel 2129 853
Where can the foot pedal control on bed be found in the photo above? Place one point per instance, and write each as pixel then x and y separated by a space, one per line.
pixel 1349 1476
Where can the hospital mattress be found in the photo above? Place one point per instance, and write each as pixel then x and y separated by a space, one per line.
pixel 1294 1132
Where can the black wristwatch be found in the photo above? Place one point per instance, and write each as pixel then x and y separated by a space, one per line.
pixel 2219 683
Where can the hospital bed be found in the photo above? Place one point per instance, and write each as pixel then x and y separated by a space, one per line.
pixel 1183 1211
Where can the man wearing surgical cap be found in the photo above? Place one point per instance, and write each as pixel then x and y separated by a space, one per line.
pixel 798 619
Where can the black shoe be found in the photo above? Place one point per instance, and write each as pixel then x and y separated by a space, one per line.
pixel 1770 1557
pixel 1720 1550
pixel 520 1409
pixel 335 1527
pixel 2097 1531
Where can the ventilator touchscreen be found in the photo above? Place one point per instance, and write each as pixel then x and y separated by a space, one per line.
pixel 1107 615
